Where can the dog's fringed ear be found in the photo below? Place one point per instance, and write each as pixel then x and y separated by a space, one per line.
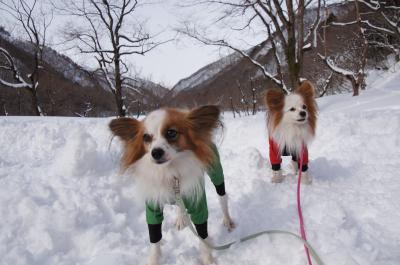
pixel 275 99
pixel 204 118
pixel 125 128
pixel 306 89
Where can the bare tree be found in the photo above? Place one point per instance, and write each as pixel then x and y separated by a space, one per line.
pixel 88 107
pixel 139 109
pixel 234 111
pixel 34 22
pixel 253 96
pixel 287 35
pixel 3 103
pixel 243 99
pixel 369 33
pixel 326 85
pixel 110 36
pixel 384 30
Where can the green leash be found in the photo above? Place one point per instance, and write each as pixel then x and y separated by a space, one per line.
pixel 181 205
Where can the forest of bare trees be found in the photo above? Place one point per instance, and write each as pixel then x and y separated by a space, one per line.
pixel 293 33
pixel 34 21
pixel 110 37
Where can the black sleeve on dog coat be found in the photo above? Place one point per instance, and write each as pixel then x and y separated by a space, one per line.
pixel 202 230
pixel 220 189
pixel 155 233
pixel 304 168
pixel 276 167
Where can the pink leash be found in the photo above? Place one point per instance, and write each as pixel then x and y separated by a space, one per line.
pixel 302 230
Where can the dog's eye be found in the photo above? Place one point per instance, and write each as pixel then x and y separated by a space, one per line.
pixel 292 109
pixel 147 138
pixel 304 107
pixel 171 134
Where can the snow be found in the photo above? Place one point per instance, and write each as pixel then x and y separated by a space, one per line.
pixel 15 85
pixel 307 46
pixel 206 73
pixel 63 200
pixel 335 68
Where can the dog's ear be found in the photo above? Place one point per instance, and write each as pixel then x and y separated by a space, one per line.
pixel 275 99
pixel 306 89
pixel 201 123
pixel 125 128
pixel 204 118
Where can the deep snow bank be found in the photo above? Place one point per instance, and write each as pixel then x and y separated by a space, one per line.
pixel 62 200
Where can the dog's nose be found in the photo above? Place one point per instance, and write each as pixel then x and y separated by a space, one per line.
pixel 302 113
pixel 157 153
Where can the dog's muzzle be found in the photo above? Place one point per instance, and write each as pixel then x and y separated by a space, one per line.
pixel 158 155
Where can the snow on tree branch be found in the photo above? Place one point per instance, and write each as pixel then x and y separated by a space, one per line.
pixel 329 62
pixel 367 22
pixel 21 83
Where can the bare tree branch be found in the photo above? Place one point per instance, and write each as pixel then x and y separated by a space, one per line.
pixel 107 37
pixel 35 25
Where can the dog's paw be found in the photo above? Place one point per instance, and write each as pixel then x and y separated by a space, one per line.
pixel 277 176
pixel 207 260
pixel 155 254
pixel 306 178
pixel 152 262
pixel 229 223
pixel 206 252
pixel 294 166
pixel 206 257
pixel 180 222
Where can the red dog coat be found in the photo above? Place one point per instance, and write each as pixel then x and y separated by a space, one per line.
pixel 276 159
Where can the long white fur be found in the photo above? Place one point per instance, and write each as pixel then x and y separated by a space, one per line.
pixel 155 181
pixel 290 133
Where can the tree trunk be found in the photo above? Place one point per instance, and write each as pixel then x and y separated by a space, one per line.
pixel 19 101
pixel 356 87
pixel 35 103
pixel 118 89
pixel 232 107
pixel 293 66
pixel 139 110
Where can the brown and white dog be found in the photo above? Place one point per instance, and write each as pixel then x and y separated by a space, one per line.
pixel 171 143
pixel 291 123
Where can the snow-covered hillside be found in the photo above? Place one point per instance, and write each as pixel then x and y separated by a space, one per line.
pixel 62 200
pixel 206 73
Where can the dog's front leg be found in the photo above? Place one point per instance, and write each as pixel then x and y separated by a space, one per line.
pixel 155 254
pixel 306 178
pixel 180 222
pixel 227 220
pixel 206 253
pixel 155 235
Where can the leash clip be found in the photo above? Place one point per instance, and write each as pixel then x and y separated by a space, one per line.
pixel 176 186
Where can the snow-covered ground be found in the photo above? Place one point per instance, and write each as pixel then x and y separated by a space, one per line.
pixel 62 200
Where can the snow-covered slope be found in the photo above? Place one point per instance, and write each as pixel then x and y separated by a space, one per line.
pixel 205 74
pixel 62 200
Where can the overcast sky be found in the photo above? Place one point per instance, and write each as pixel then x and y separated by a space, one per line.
pixel 177 59
pixel 166 64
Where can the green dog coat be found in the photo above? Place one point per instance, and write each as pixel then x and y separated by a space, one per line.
pixel 198 211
